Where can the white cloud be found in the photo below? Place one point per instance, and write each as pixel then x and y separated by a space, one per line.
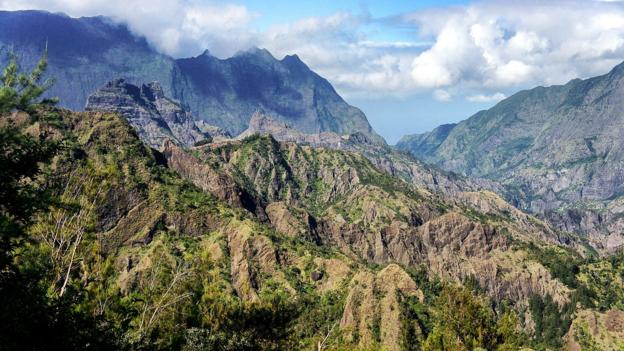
pixel 487 46
pixel 176 27
pixel 442 95
pixel 486 98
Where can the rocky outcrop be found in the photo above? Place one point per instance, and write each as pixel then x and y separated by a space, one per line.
pixel 382 156
pixel 373 311
pixel 262 124
pixel 593 330
pixel 85 53
pixel 207 178
pixel 155 117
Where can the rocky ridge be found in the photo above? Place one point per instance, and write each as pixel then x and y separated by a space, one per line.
pixel 155 117
pixel 556 150
pixel 85 53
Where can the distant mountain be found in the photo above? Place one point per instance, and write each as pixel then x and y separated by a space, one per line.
pixel 85 53
pixel 155 117
pixel 229 91
pixel 559 150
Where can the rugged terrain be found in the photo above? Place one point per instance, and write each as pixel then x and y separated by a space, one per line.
pixel 557 150
pixel 155 117
pixel 265 226
pixel 86 53
pixel 158 231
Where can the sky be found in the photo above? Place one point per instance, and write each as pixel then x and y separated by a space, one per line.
pixel 409 65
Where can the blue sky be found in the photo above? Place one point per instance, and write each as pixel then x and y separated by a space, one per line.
pixel 391 116
pixel 409 65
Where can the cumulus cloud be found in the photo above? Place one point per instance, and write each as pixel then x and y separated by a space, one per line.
pixel 471 50
pixel 486 98
pixel 175 27
pixel 510 44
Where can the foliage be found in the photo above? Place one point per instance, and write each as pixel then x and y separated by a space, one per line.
pixel 551 321
pixel 31 318
pixel 21 154
pixel 463 321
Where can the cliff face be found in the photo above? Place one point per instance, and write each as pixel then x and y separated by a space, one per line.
pixel 155 117
pixel 558 151
pixel 85 53
pixel 228 92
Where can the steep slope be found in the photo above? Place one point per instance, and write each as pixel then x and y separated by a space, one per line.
pixel 229 91
pixel 155 117
pixel 559 150
pixel 83 53
pixel 393 162
pixel 86 53
pixel 332 248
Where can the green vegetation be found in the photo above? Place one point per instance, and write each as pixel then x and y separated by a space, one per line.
pixel 32 318
pixel 551 321
pixel 463 321
pixel 104 247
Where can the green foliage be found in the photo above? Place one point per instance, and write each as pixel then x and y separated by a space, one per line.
pixel 583 336
pixel 562 263
pixel 597 282
pixel 551 321
pixel 32 319
pixel 463 321
pixel 21 154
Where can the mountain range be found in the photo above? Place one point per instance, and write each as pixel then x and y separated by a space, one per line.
pixel 241 204
pixel 85 53
pixel 558 151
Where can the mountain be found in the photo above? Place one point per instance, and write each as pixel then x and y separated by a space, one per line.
pixel 155 117
pixel 85 53
pixel 229 91
pixel 559 151
pixel 283 236
pixel 253 243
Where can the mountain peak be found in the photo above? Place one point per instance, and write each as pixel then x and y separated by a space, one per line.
pixel 206 52
pixel 257 52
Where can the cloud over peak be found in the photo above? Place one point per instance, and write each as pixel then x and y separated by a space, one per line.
pixel 479 51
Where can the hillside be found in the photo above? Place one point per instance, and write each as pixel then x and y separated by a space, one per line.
pixel 558 150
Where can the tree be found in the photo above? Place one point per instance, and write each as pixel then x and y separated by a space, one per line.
pixel 21 153
pixel 32 320
pixel 464 321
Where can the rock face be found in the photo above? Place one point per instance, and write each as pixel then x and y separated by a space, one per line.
pixel 375 299
pixel 559 151
pixel 227 92
pixel 85 53
pixel 155 117
pixel 362 250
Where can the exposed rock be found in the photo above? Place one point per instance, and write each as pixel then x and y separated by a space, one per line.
pixel 84 53
pixel 217 133
pixel 335 271
pixel 600 330
pixel 558 151
pixel 155 117
pixel 316 276
pixel 373 310
pixel 204 176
